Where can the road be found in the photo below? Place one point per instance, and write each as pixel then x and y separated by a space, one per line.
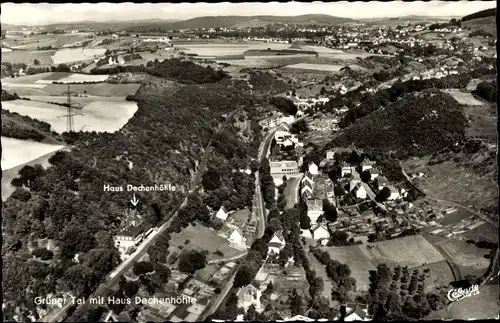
pixel 233 258
pixel 292 191
pixel 222 295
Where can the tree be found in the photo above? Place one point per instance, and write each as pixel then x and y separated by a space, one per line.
pixel 142 267
pixel 366 175
pixel 322 91
pixel 36 62
pixel 161 274
pixel 339 191
pixel 130 288
pixel 211 179
pixel 330 211
pixel 254 165
pixel 192 260
pixel 383 195
pixel 305 222
pixel 244 276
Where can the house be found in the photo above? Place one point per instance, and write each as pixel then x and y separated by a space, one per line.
pixel 308 177
pixel 360 191
pixel 313 168
pixel 314 210
pixel 306 234
pixel 249 295
pixel 357 312
pixel 353 182
pixel 320 232
pixel 394 193
pixel 330 155
pixel 237 240
pixel 382 182
pixel 222 213
pixel 346 169
pixel 280 168
pixel 368 164
pixel 276 244
pixel 307 190
pixel 281 136
pixel 299 318
pixel 131 236
pixel 374 172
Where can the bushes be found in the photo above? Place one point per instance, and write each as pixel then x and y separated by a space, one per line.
pixel 185 71
pixel 487 91
pixel 191 261
pixel 284 105
pixel 42 253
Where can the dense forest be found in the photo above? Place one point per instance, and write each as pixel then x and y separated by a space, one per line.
pixel 419 124
pixel 481 14
pixel 65 203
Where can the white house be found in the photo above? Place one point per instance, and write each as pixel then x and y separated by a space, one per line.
pixel 357 312
pixel 280 168
pixel 320 233
pixel 307 190
pixel 394 193
pixel 346 170
pixel 222 214
pixel 249 295
pixel 313 168
pixel 368 164
pixel 360 191
pixel 374 173
pixel 237 240
pixel 306 234
pixel 130 237
pixel 382 182
pixel 330 155
pixel 314 210
pixel 299 318
pixel 276 244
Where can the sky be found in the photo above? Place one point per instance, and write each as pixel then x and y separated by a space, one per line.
pixel 43 13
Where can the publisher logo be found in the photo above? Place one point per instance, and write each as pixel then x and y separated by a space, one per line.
pixel 461 293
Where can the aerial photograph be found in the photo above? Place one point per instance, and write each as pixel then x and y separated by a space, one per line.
pixel 249 161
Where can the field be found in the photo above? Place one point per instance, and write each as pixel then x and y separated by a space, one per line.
pixel 76 55
pixel 316 67
pixel 464 98
pixel 412 251
pixel 485 231
pixel 15 152
pixel 440 275
pixel 467 256
pixel 202 238
pixel 99 115
pixel 99 89
pixel 76 78
pixel 482 122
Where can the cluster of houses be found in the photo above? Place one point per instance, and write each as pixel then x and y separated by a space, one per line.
pixel 239 233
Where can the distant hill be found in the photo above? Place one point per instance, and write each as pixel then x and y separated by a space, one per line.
pixel 484 20
pixel 481 14
pixel 242 21
pixel 401 20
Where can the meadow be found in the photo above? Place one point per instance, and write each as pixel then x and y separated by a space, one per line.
pixel 99 115
pixel 17 152
pixel 464 98
pixel 78 54
pixel 96 89
pixel 316 67
pixel 202 238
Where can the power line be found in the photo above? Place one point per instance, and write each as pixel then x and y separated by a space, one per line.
pixel 70 126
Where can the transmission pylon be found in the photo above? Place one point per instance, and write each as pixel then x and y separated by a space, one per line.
pixel 70 125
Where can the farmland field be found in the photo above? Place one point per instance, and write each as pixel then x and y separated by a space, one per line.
pixel 316 67
pixel 467 256
pixel 17 152
pixel 440 275
pixel 99 116
pixel 76 55
pixel 485 231
pixel 99 89
pixel 412 251
pixel 202 238
pixel 452 182
pixel 76 78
